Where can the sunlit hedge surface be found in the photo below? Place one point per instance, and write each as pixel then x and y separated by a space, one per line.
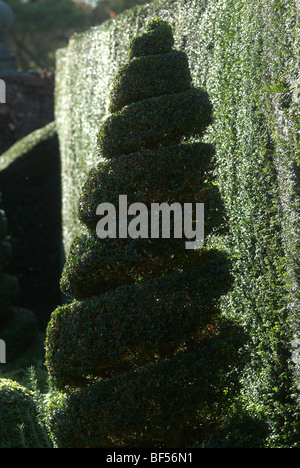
pixel 246 55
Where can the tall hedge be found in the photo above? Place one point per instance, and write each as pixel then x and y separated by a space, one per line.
pixel 142 356
pixel 246 55
pixel 18 326
pixel 31 198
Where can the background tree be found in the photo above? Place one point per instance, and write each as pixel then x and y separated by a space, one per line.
pixel 142 356
pixel 19 423
pixel 43 26
pixel 105 9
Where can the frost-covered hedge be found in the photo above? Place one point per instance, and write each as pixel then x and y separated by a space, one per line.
pixel 246 55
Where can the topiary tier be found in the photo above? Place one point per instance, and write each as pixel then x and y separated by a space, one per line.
pixel 142 352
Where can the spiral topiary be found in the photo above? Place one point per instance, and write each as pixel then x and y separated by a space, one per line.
pixel 18 326
pixel 141 353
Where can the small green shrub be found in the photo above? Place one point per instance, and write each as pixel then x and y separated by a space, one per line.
pixel 19 427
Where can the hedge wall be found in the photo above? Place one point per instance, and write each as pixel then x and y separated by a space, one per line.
pixel 246 55
pixel 31 198
pixel 18 326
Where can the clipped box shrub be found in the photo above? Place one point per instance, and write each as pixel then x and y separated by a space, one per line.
pixel 149 76
pixel 19 427
pixel 159 121
pixel 141 355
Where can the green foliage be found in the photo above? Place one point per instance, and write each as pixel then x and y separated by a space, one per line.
pixel 136 323
pixel 239 431
pixel 9 292
pixel 162 120
pixel 95 266
pixel 150 76
pixel 31 198
pixel 37 139
pixel 19 427
pixel 42 26
pixel 246 54
pixel 243 74
pixel 144 349
pixel 157 405
pixel 18 326
pixel 90 270
pixel 158 39
pixel 145 178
